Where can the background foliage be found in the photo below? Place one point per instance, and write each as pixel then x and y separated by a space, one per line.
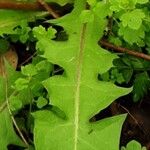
pixel 71 78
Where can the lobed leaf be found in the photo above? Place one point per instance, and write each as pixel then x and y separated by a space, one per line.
pixel 133 19
pixel 78 92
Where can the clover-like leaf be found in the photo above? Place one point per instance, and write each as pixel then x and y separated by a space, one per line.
pixel 133 19
pixel 137 35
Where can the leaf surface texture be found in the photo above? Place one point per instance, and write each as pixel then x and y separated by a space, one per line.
pixel 78 92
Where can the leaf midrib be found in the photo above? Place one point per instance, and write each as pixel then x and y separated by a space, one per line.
pixel 77 90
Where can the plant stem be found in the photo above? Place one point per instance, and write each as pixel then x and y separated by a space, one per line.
pixel 20 6
pixel 48 8
pixel 36 6
pixel 30 110
pixel 4 104
pixel 9 110
pixel 124 50
pixel 27 60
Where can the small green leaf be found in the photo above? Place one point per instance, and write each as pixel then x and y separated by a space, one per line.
pixel 102 9
pixel 44 65
pixel 133 145
pixel 141 86
pixel 133 19
pixel 9 19
pixel 142 1
pixel 137 35
pixel 22 32
pixel 127 74
pixel 41 102
pixel 40 32
pixel 15 103
pixel 123 148
pixel 21 84
pixel 7 133
pixel 29 70
pixel 58 112
pixel 4 45
pixel 118 5
pixel 91 2
pixel 116 76
pixel 105 76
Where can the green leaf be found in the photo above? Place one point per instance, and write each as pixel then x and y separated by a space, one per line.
pixel 127 74
pixel 29 70
pixel 41 32
pixel 103 9
pixel 9 19
pixel 137 35
pixel 23 97
pixel 133 145
pixel 21 84
pixel 116 76
pixel 44 66
pixel 78 92
pixel 22 32
pixel 105 76
pixel 41 102
pixel 15 103
pixel 4 45
pixel 142 1
pixel 138 90
pixel 91 2
pixel 118 5
pixel 7 133
pixel 133 19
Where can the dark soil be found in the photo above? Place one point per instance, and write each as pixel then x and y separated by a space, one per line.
pixel 137 123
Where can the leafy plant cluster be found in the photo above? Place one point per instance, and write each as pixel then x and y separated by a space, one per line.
pixel 47 103
pixel 129 27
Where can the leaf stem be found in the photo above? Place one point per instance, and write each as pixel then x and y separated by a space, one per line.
pixel 124 50
pixel 36 6
pixel 9 110
pixel 134 119
pixel 48 8
pixel 28 59
pixel 20 6
pixel 4 104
